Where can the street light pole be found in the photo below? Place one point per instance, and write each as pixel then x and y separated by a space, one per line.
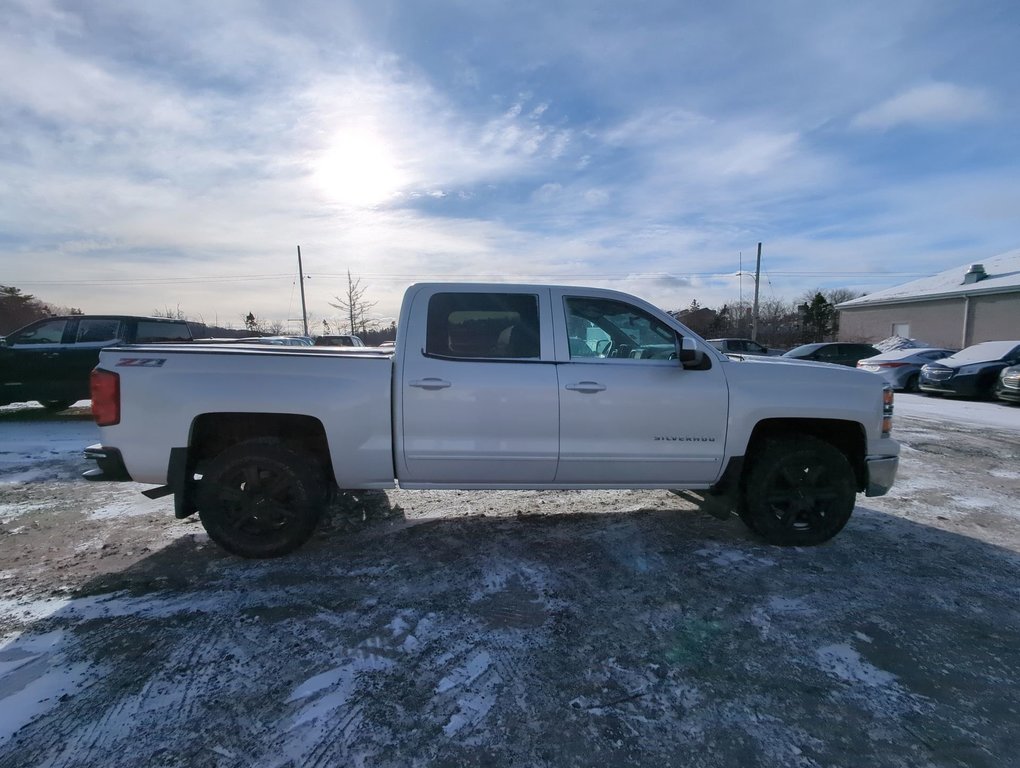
pixel 301 279
pixel 754 312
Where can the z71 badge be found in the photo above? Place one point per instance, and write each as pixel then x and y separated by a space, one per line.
pixel 141 362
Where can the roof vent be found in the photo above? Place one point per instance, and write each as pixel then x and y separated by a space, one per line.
pixel 975 273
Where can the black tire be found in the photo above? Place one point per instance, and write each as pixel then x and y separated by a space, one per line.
pixel 258 499
pixel 913 384
pixel 56 406
pixel 798 491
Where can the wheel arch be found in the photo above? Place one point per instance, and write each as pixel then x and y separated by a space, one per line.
pixel 212 433
pixel 849 437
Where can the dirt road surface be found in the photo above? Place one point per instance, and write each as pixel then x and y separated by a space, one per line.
pixel 524 629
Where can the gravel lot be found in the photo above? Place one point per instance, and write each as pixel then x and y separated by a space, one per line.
pixel 529 629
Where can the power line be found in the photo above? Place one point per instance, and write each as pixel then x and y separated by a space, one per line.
pixel 502 277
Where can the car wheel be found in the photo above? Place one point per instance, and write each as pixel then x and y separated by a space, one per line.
pixel 258 499
pixel 56 406
pixel 798 491
pixel 912 384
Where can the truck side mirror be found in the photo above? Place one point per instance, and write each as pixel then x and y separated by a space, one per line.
pixel 690 355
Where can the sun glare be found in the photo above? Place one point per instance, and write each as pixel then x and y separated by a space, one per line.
pixel 359 169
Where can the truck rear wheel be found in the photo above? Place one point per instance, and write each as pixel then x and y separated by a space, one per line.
pixel 258 499
pixel 798 491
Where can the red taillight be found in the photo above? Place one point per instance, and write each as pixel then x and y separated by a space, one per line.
pixel 891 365
pixel 105 387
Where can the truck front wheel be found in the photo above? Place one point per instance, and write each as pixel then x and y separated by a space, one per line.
pixel 798 491
pixel 258 499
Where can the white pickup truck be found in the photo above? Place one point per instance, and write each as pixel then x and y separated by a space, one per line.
pixel 492 387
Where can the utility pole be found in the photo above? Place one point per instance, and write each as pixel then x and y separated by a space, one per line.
pixel 754 312
pixel 301 278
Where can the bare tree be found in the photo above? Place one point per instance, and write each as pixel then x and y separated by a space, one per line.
pixel 354 305
pixel 171 314
pixel 839 295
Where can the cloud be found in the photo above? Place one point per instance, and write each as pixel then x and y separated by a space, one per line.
pixel 489 141
pixel 931 104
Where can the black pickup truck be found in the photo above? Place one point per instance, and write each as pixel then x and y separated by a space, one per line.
pixel 50 359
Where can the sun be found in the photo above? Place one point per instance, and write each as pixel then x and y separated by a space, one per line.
pixel 359 169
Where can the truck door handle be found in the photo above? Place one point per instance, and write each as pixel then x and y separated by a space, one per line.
pixel 586 386
pixel 429 384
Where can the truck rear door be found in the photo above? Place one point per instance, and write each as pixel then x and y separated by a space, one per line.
pixel 478 400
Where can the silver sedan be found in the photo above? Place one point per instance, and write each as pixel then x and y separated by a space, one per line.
pixel 901 367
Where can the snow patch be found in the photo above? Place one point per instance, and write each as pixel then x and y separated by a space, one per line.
pixel 843 662
pixel 34 678
pixel 466 673
pixel 129 507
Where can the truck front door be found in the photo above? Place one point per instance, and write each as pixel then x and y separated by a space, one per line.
pixel 478 401
pixel 33 362
pixel 630 413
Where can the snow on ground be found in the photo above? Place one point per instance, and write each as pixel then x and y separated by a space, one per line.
pixel 610 628
pixel 958 413
pixel 31 435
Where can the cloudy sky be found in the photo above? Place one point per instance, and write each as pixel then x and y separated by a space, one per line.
pixel 174 154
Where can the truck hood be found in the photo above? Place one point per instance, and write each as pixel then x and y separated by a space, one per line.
pixel 779 360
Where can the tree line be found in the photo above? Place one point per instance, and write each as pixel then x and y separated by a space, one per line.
pixel 781 323
pixel 18 309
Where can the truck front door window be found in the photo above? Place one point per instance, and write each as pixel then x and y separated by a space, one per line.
pixel 605 328
pixel 50 332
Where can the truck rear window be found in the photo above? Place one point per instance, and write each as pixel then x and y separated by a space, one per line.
pixel 483 325
pixel 149 331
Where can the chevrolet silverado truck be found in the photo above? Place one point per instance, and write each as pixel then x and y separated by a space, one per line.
pixel 493 387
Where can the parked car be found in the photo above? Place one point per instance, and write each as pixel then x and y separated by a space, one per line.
pixel 339 340
pixel 838 352
pixel 901 368
pixel 50 360
pixel 971 372
pixel 743 347
pixel 1008 386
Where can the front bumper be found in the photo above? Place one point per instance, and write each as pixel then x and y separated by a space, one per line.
pixel 1007 393
pixel 109 464
pixel 961 386
pixel 881 474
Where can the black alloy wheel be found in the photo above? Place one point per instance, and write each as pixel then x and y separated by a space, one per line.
pixel 798 491
pixel 258 499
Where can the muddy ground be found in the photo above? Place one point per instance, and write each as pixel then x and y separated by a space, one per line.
pixel 512 629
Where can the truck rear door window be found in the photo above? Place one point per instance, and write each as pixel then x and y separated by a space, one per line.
pixel 97 329
pixel 492 326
